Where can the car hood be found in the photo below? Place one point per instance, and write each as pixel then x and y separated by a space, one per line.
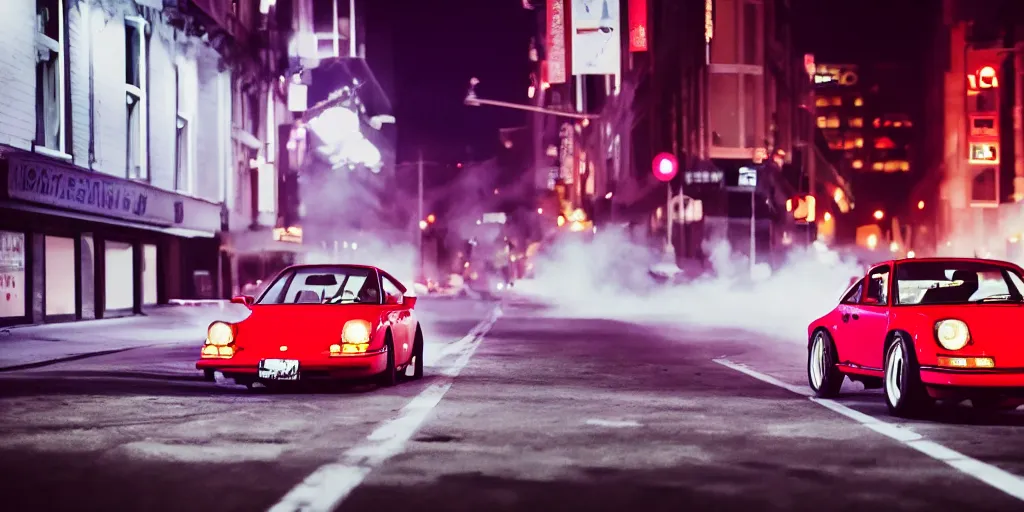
pixel 995 329
pixel 300 323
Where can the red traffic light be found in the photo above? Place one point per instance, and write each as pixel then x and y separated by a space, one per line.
pixel 665 166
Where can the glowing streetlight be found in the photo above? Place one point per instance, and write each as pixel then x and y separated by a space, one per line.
pixel 872 241
pixel 608 195
pixel 879 214
pixel 827 217
pixel 423 224
pixel 431 218
pixel 920 205
pixel 894 247
pixel 540 211
pixel 911 254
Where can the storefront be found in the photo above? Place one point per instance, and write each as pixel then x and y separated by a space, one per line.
pixel 76 244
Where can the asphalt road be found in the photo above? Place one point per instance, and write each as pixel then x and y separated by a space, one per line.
pixel 534 414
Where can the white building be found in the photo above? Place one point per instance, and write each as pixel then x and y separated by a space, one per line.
pixel 127 143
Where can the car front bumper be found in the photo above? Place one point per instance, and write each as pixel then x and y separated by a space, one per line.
pixel 1004 381
pixel 354 366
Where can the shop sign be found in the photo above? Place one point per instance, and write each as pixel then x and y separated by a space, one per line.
pixel 53 184
pixel 12 274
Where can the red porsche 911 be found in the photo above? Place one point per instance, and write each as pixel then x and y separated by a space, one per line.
pixel 924 330
pixel 320 322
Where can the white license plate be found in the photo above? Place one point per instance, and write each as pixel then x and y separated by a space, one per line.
pixel 279 369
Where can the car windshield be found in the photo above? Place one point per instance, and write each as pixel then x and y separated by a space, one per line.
pixel 956 282
pixel 324 285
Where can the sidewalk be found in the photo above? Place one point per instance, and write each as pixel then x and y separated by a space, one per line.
pixel 28 346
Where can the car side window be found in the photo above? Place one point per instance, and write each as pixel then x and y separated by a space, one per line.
pixel 853 296
pixel 877 286
pixel 391 290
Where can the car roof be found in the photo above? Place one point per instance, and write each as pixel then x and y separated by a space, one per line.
pixel 938 259
pixel 322 265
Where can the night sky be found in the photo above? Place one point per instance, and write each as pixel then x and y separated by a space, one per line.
pixel 440 45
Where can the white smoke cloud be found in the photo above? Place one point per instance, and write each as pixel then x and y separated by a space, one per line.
pixel 607 277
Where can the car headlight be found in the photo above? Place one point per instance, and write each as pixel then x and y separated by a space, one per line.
pixel 356 332
pixel 952 334
pixel 220 334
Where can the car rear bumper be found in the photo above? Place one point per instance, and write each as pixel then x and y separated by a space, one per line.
pixel 324 367
pixel 974 378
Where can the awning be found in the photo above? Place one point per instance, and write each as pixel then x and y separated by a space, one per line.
pixel 182 232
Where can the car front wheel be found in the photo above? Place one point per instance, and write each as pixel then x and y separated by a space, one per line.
pixel 904 393
pixel 389 377
pixel 822 374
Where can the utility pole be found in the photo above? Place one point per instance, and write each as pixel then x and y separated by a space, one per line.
pixel 419 210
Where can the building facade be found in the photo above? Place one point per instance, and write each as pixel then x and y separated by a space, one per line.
pixel 973 132
pixel 115 137
pixel 715 83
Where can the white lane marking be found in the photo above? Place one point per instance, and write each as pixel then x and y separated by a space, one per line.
pixel 330 484
pixel 474 333
pixel 611 423
pixel 763 377
pixel 1000 479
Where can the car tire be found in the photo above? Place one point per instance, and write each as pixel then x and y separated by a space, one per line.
pixel 905 395
pixel 389 377
pixel 417 356
pixel 823 375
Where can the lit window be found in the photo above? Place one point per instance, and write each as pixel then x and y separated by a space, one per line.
pixel 822 121
pixel 858 164
pixel 908 124
pixel 858 142
pixel 904 166
pixel 821 102
pixel 833 121
pixel 857 122
pixel 877 166
pixel 136 65
pixel 859 102
pixel 837 101
pixel 897 124
pixel 51 101
pixel 877 123
pixel 892 166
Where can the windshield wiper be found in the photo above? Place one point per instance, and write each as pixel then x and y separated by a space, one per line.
pixel 1002 297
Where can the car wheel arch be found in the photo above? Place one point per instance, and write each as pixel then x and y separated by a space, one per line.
pixel 831 338
pixel 890 338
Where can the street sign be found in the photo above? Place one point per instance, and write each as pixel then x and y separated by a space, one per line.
pixel 665 166
pixel 748 177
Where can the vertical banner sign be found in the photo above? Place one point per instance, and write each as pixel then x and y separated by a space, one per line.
pixel 557 59
pixel 567 154
pixel 638 25
pixel 12 274
pixel 596 37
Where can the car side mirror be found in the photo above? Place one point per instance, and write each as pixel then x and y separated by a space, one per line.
pixel 245 300
pixel 410 300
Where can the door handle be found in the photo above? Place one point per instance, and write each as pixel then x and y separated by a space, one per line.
pixel 856 316
pixel 846 317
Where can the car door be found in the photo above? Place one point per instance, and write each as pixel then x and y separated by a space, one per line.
pixel 394 296
pixel 869 320
pixel 841 317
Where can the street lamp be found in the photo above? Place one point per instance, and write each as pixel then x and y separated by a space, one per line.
pixel 920 205
pixel 473 101
pixel 879 214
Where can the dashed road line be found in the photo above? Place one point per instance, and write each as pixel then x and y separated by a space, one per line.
pixel 331 484
pixel 1000 479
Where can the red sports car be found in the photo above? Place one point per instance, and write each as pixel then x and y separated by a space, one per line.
pixel 320 322
pixel 924 330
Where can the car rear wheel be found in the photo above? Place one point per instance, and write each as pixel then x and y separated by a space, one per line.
pixel 389 377
pixel 822 374
pixel 417 356
pixel 904 393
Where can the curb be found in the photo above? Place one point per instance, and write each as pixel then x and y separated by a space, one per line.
pixel 198 302
pixel 77 357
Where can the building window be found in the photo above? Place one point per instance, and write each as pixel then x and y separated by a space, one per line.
pixel 858 102
pixel 877 166
pixel 13 289
pixel 119 268
pixel 858 142
pixel 136 66
pixel 837 101
pixel 857 122
pixel 833 121
pixel 51 101
pixel 59 272
pixel 822 121
pixel 752 34
pixel 857 164
pixel 822 102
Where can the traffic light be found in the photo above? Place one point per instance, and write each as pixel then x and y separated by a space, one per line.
pixel 665 166
pixel 983 105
